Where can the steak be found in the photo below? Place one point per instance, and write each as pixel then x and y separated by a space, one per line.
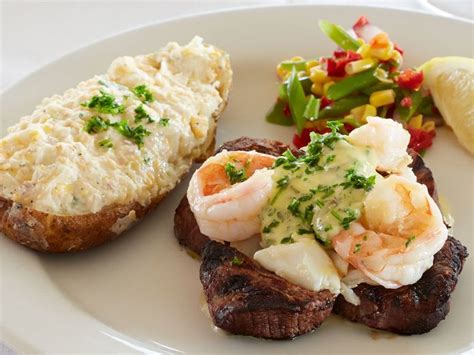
pixel 244 298
pixel 412 309
pixel 417 308
pixel 250 300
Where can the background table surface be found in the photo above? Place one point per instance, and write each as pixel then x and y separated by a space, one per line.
pixel 34 33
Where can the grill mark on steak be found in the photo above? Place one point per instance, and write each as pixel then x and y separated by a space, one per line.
pixel 247 299
pixel 417 308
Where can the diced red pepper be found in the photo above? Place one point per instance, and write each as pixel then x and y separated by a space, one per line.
pixel 406 101
pixel 420 140
pixel 335 66
pixel 348 127
pixel 361 22
pixel 397 48
pixel 324 102
pixel 303 139
pixel 410 79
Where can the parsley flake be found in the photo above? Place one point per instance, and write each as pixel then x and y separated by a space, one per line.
pixel 357 248
pixel 96 124
pixel 236 261
pixel 140 114
pixel 164 122
pixel 273 224
pixel 287 240
pixel 136 134
pixel 235 175
pixel 409 240
pixel 143 93
pixel 106 143
pixel 105 103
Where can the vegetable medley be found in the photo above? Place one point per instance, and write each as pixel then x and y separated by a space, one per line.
pixel 362 78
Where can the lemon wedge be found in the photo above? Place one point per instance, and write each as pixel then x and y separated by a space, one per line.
pixel 451 82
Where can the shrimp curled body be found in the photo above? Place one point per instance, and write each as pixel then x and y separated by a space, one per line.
pixel 229 211
pixel 400 231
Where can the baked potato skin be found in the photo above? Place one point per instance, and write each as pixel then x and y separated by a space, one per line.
pixel 50 233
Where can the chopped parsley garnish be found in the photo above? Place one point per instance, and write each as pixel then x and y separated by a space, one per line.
pixel 304 231
pixel 287 240
pixel 351 216
pixel 357 248
pixel 140 114
pixel 105 103
pixel 273 224
pixel 235 175
pixel 294 207
pixel 164 122
pixel 236 261
pixel 103 83
pixel 283 182
pixel 136 134
pixel 106 143
pixel 358 181
pixel 143 93
pixel 409 240
pixel 96 124
pixel 147 160
pixel 364 237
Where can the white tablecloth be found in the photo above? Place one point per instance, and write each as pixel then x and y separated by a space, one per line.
pixel 35 33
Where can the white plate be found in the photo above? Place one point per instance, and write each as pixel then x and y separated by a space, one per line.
pixel 141 292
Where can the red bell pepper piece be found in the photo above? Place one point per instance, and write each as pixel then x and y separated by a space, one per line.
pixel 304 139
pixel 420 140
pixel 397 48
pixel 324 102
pixel 361 22
pixel 406 101
pixel 335 66
pixel 410 79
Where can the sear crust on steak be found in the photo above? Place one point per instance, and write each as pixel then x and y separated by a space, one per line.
pixel 412 309
pixel 244 298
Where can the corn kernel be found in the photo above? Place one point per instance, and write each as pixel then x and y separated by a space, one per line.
pixel 382 53
pixel 397 58
pixel 415 121
pixel 297 59
pixel 359 65
pixel 326 86
pixel 317 89
pixel 364 51
pixel 317 75
pixel 428 126
pixel 362 112
pixel 382 98
pixel 282 72
pixel 310 64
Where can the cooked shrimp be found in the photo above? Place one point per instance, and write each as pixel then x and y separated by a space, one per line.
pixel 400 231
pixel 388 139
pixel 228 192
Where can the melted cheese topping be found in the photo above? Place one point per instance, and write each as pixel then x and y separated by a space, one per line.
pixel 49 163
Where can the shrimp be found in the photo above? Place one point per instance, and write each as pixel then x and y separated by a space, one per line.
pixel 389 140
pixel 397 236
pixel 228 192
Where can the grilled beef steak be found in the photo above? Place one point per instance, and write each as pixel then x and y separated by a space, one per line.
pixel 412 309
pixel 244 298
pixel 417 308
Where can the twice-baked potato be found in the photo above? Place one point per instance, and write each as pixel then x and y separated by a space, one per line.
pixel 88 164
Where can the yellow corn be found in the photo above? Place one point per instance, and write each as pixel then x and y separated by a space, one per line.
pixel 317 75
pixel 310 64
pixel 297 59
pixel 397 58
pixel 382 53
pixel 415 121
pixel 364 50
pixel 382 98
pixel 359 65
pixel 282 72
pixel 326 86
pixel 428 126
pixel 317 89
pixel 362 112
